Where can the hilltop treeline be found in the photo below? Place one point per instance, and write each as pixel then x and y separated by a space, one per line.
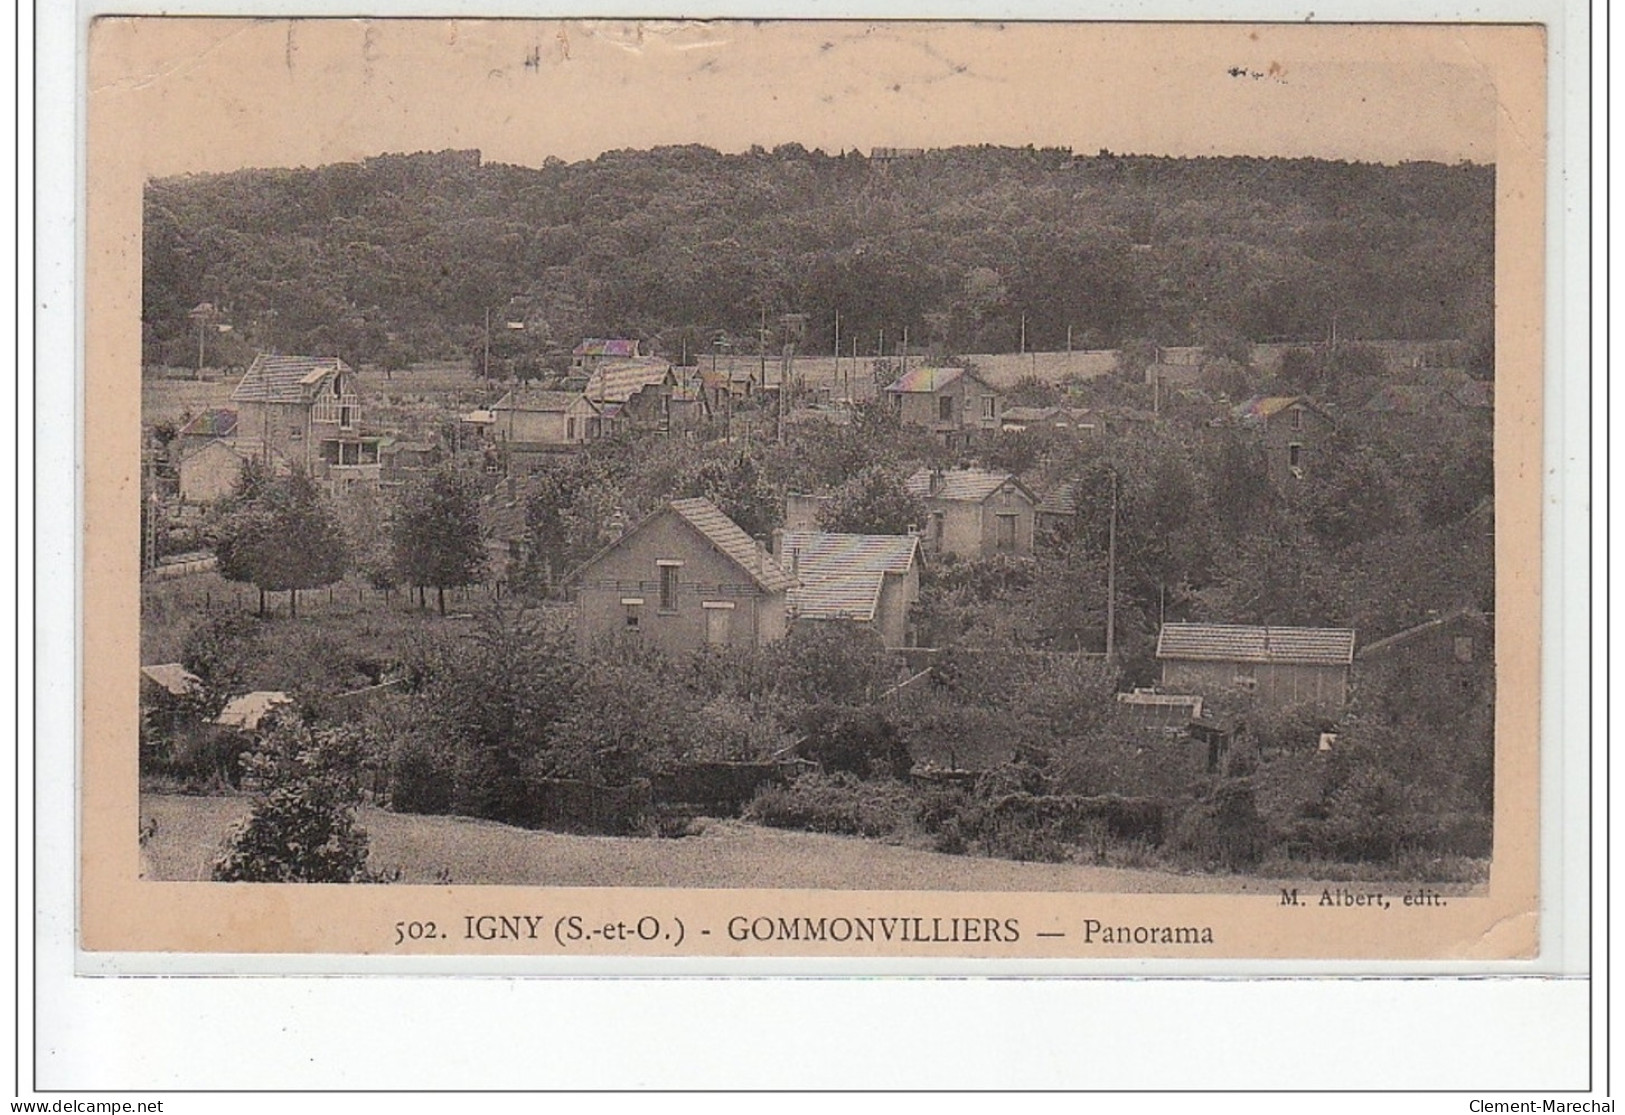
pixel 400 257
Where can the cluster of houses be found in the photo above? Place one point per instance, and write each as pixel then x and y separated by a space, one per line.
pixel 687 576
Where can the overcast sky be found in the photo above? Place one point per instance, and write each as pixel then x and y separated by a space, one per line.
pixel 216 95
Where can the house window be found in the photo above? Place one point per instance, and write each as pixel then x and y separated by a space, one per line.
pixel 570 429
pixel 945 408
pixel 1294 455
pixel 990 406
pixel 1464 648
pixel 1246 678
pixel 1007 531
pixel 1297 418
pixel 718 621
pixel 344 418
pixel 937 519
pixel 295 434
pixel 633 606
pixel 668 585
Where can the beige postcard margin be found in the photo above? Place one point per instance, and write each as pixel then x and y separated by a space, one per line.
pixel 167 95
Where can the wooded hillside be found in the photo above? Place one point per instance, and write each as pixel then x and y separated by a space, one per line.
pixel 400 257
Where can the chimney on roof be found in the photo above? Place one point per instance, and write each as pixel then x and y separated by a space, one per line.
pixel 936 481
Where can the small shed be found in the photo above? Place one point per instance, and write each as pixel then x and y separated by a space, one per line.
pixel 1281 665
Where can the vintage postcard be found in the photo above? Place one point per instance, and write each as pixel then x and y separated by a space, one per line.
pixel 902 490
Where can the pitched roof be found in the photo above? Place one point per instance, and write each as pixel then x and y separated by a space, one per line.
pixel 1060 500
pixel 284 379
pixel 606 346
pixel 535 402
pixel 1222 642
pixel 847 596
pixel 618 382
pixel 247 711
pixel 215 422
pixel 739 547
pixel 173 678
pixel 970 484
pixel 1265 407
pixel 821 554
pixel 926 380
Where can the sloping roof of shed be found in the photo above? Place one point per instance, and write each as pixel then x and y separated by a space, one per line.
pixel 618 382
pixel 1469 616
pixel 284 379
pixel 1222 642
pixel 173 678
pixel 853 596
pixel 215 422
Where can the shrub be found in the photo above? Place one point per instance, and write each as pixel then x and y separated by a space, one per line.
pixel 1226 830
pixel 859 741
pixel 837 803
pixel 302 828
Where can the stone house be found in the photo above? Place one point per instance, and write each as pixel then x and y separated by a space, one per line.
pixel 972 513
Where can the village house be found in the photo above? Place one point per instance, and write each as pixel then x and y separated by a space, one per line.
pixel 401 460
pixel 590 353
pixel 304 410
pixel 955 404
pixel 871 579
pixel 685 577
pixel 972 513
pixel 1056 516
pixel 631 393
pixel 527 420
pixel 212 425
pixel 1294 430
pixel 211 472
pixel 1281 666
pixel 802 510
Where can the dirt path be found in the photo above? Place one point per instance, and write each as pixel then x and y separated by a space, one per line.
pixel 728 854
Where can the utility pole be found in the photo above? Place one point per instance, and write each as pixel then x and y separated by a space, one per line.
pixel 904 370
pixel 485 366
pixel 1023 335
pixel 837 346
pixel 1111 576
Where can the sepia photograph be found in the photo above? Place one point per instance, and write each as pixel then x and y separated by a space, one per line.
pixel 966 486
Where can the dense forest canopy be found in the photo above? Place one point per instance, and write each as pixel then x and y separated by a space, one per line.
pixel 400 257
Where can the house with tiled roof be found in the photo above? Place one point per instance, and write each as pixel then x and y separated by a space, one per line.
pixel 1293 428
pixel 593 351
pixel 956 405
pixel 210 472
pixel 685 577
pixel 634 392
pixel 537 420
pixel 212 425
pixel 305 410
pixel 1282 666
pixel 870 579
pixel 973 513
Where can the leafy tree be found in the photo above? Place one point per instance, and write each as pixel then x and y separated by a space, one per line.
pixel 874 501
pixel 437 539
pixel 278 534
pixel 302 827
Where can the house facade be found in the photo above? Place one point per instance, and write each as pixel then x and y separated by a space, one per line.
pixel 957 406
pixel 632 393
pixel 871 579
pixel 1294 430
pixel 1282 666
pixel 301 408
pixel 973 513
pixel 1437 667
pixel 684 578
pixel 210 473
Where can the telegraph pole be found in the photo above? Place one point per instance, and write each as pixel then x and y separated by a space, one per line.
pixel 1111 575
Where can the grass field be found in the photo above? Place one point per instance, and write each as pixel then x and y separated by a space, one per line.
pixel 190 831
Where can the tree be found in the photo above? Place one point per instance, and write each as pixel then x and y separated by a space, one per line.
pixel 437 534
pixel 873 502
pixel 279 535
pixel 302 828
